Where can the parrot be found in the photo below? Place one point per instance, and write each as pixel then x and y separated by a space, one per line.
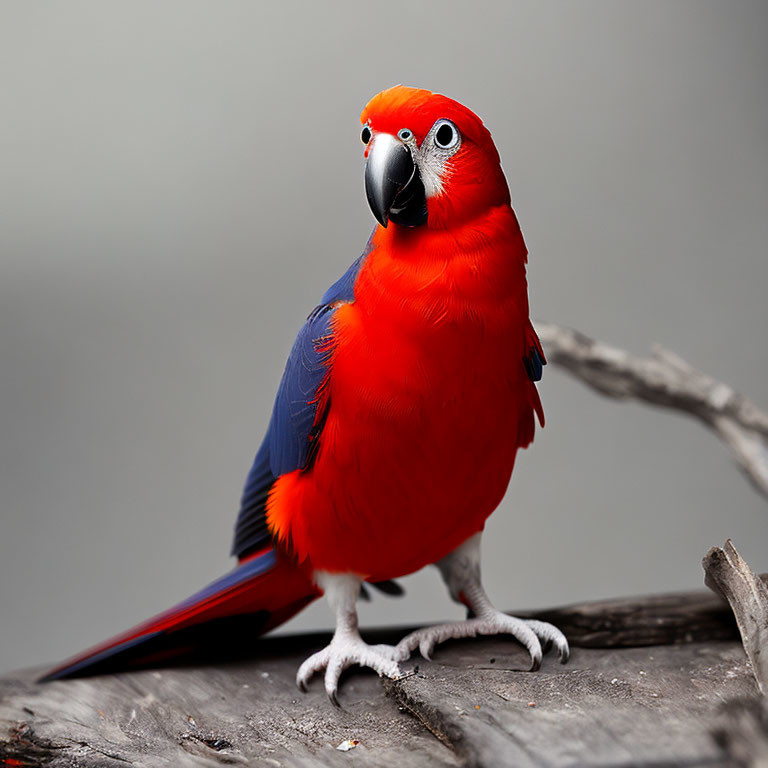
pixel 405 398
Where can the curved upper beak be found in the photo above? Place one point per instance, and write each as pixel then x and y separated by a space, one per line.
pixel 388 170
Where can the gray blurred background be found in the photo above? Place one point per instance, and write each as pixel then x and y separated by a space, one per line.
pixel 179 183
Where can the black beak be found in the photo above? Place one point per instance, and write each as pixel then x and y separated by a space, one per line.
pixel 392 183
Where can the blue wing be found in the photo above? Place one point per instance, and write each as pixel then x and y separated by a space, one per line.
pixel 292 437
pixel 534 365
pixel 533 359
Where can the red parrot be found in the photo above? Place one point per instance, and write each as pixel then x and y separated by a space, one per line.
pixel 396 424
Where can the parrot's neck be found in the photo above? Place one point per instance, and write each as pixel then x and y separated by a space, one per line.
pixel 471 271
pixel 494 227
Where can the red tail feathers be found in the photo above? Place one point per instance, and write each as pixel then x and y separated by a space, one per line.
pixel 263 591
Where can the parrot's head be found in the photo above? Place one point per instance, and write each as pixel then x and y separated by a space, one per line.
pixel 429 160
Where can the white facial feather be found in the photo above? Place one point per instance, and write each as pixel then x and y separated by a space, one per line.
pixel 432 160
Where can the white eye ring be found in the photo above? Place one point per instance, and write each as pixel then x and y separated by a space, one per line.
pixel 404 134
pixel 445 134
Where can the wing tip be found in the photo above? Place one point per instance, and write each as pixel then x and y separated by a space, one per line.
pixel 90 659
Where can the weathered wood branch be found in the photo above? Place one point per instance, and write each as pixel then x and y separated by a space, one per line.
pixel 644 708
pixel 665 379
pixel 610 705
pixel 728 575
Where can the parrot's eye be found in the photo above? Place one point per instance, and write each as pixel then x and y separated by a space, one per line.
pixel 404 134
pixel 446 134
pixel 365 135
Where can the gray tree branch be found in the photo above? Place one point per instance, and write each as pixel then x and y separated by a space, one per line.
pixel 727 574
pixel 666 380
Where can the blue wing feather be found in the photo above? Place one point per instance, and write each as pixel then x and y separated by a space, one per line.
pixel 295 408
pixel 534 365
pixel 293 429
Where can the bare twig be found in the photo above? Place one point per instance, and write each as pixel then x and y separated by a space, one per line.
pixel 665 379
pixel 728 574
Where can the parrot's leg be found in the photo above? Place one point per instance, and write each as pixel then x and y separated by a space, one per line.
pixel 461 572
pixel 346 647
